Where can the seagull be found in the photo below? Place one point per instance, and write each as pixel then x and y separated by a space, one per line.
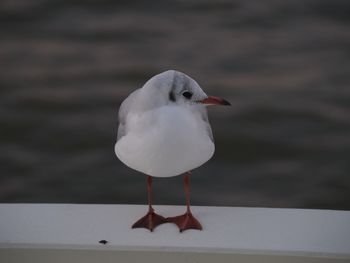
pixel 164 131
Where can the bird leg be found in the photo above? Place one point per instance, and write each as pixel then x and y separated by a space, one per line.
pixel 151 220
pixel 187 220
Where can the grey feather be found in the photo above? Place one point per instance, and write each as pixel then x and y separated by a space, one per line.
pixel 124 109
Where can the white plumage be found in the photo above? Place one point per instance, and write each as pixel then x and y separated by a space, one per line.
pixel 163 129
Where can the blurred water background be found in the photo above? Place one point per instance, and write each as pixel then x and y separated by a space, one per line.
pixel 66 65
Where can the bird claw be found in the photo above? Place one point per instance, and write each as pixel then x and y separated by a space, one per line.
pixel 185 221
pixel 150 221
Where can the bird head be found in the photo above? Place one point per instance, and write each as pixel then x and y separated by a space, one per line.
pixel 174 87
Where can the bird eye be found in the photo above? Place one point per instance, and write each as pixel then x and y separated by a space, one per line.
pixel 187 94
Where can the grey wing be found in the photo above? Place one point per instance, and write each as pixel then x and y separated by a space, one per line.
pixel 121 130
pixel 123 112
pixel 204 115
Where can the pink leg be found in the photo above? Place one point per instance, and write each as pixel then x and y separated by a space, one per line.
pixel 151 220
pixel 187 220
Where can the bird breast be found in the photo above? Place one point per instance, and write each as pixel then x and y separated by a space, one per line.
pixel 166 141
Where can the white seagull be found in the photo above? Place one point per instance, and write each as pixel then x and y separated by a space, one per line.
pixel 164 131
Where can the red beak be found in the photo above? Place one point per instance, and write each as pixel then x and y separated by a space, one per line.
pixel 211 100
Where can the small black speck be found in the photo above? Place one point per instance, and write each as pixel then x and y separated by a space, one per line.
pixel 104 242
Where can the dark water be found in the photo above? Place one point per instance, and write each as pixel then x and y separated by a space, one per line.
pixel 65 66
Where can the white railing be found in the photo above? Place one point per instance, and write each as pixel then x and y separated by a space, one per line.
pixel 72 233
